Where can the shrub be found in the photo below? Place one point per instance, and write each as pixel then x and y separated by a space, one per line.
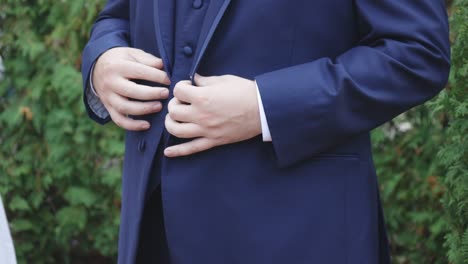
pixel 453 154
pixel 60 172
pixel 410 183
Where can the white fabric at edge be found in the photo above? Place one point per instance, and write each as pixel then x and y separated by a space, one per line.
pixel 7 250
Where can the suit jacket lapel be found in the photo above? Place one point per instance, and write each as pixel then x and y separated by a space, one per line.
pixel 164 11
pixel 213 16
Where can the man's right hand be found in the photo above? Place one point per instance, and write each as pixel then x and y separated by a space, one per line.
pixel 112 79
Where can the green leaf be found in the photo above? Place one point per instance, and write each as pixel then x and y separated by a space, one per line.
pixel 19 204
pixel 80 196
pixel 72 217
pixel 19 225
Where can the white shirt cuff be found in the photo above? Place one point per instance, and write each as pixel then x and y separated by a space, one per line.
pixel 265 129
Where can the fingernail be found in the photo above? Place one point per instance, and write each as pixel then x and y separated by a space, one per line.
pixel 168 152
pixel 145 126
pixel 165 93
pixel 157 105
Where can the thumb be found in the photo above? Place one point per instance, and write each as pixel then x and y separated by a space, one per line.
pixel 205 81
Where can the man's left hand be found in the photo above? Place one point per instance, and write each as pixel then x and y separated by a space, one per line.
pixel 219 110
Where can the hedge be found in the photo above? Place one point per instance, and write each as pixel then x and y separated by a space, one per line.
pixel 453 155
pixel 60 172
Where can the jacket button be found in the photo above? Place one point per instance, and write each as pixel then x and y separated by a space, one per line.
pixel 142 145
pixel 197 4
pixel 188 51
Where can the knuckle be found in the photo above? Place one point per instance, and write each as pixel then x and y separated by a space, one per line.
pixel 170 105
pixel 109 66
pixel 139 73
pixel 177 90
pixel 107 88
pixel 169 129
pixel 147 109
pixel 180 84
pixel 214 134
pixel 182 134
pixel 204 121
pixel 193 149
pixel 126 90
pixel 104 65
pixel 172 130
pixel 121 108
pixel 178 133
pixel 208 121
pixel 160 76
pixel 118 121
pixel 167 121
pixel 211 123
pixel 158 62
pixel 173 115
pixel 202 99
pixel 137 51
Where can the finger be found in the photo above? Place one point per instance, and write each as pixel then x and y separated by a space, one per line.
pixel 206 81
pixel 192 147
pixel 139 71
pixel 133 90
pixel 146 58
pixel 126 122
pixel 179 111
pixel 186 92
pixel 128 107
pixel 182 130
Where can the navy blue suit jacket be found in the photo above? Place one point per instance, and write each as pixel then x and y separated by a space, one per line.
pixel 328 72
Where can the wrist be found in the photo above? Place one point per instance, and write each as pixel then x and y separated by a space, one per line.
pixel 92 82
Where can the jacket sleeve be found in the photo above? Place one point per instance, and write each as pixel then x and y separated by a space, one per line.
pixel 401 60
pixel 110 30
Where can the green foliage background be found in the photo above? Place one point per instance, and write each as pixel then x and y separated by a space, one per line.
pixel 60 172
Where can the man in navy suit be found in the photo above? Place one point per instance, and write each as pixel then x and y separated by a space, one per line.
pixel 248 121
